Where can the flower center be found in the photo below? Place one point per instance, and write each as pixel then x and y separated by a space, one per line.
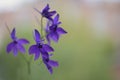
pixel 15 42
pixel 53 28
pixel 47 59
pixel 39 45
pixel 45 14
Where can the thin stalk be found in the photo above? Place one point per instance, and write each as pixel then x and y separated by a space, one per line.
pixel 41 25
pixel 7 27
pixel 29 65
pixel 28 62
pixel 42 28
pixel 24 58
pixel 29 69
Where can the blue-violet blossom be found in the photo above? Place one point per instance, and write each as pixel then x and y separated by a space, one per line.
pixel 53 30
pixel 46 13
pixel 50 64
pixel 17 44
pixel 39 47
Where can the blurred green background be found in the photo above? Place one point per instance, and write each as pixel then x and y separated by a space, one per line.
pixel 83 54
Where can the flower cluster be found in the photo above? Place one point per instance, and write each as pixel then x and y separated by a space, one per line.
pixel 42 47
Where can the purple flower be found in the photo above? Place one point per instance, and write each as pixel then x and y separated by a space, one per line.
pixel 54 31
pixel 17 44
pixel 50 64
pixel 39 47
pixel 46 13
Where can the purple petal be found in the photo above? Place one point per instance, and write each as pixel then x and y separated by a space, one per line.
pixel 49 67
pixel 37 55
pixel 21 48
pixel 13 36
pixel 58 23
pixel 37 36
pixel 44 53
pixel 33 49
pixel 23 41
pixel 56 19
pixel 48 39
pixel 46 8
pixel 15 51
pixel 54 36
pixel 53 63
pixel 61 30
pixel 10 46
pixel 48 48
pixel 51 13
pixel 47 28
pixel 48 16
pixel 48 25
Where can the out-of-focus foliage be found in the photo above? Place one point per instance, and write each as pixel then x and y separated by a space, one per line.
pixel 81 57
pixel 82 54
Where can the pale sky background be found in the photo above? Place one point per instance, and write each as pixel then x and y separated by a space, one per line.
pixel 8 5
pixel 11 5
pixel 102 0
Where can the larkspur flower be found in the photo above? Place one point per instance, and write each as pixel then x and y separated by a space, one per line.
pixel 39 47
pixel 50 64
pixel 54 31
pixel 46 13
pixel 17 44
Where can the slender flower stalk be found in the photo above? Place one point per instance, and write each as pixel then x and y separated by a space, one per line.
pixel 28 62
pixel 42 36
pixel 29 69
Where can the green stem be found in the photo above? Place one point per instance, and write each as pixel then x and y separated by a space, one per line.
pixel 29 69
pixel 42 27
pixel 24 58
pixel 28 63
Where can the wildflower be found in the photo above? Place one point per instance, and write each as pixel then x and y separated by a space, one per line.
pixel 17 44
pixel 46 13
pixel 39 47
pixel 53 31
pixel 50 64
